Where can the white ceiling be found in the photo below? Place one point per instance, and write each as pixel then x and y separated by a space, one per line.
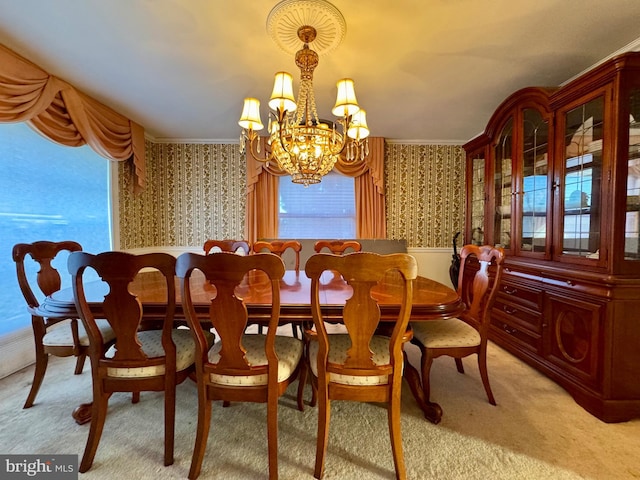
pixel 425 70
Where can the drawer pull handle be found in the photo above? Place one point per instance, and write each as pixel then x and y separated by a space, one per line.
pixel 509 290
pixel 508 329
pixel 509 310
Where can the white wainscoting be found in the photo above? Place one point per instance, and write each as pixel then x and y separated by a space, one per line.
pixel 16 351
pixel 433 263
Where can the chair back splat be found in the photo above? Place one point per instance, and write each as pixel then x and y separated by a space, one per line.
pixel 239 366
pixel 365 364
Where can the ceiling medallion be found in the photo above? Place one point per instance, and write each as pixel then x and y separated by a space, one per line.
pixel 288 16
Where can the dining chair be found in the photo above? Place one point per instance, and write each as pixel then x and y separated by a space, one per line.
pixel 61 337
pixel 139 360
pixel 239 366
pixel 240 247
pixel 478 283
pixel 279 247
pixel 337 247
pixel 360 365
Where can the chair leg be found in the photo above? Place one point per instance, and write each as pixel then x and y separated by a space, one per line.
pixel 135 397
pixel 42 359
pixel 98 417
pixel 426 361
pixel 314 391
pixel 484 374
pixel 169 423
pixel 202 434
pixel 324 415
pixel 302 382
pixel 80 363
pixel 304 374
pixel 459 365
pixel 396 437
pixel 272 433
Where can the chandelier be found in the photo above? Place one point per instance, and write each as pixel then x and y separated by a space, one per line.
pixel 302 144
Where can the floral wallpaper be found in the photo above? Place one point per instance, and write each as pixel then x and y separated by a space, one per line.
pixel 194 192
pixel 425 187
pixel 197 191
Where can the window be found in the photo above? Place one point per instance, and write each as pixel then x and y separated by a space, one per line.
pixel 323 210
pixel 47 192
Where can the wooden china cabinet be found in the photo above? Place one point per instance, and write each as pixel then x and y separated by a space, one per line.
pixel 555 180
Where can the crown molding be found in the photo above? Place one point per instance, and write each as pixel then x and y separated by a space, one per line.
pixel 400 141
pixel 633 46
pixel 391 141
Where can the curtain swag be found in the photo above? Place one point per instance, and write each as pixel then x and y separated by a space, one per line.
pixel 65 115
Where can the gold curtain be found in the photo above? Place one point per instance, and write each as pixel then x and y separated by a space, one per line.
pixel 369 190
pixel 65 115
pixel 262 194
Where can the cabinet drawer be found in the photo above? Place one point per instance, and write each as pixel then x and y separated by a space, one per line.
pixel 529 297
pixel 516 314
pixel 501 330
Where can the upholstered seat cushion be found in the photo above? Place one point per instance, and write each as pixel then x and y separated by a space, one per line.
pixel 288 350
pixel 60 334
pixel 445 333
pixel 339 345
pixel 151 341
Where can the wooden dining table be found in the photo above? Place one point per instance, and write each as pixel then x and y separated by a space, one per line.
pixel 431 300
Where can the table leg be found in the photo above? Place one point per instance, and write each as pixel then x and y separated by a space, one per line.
pixel 432 411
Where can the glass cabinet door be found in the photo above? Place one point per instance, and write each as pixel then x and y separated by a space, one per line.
pixel 502 185
pixel 632 219
pixel 581 180
pixel 532 222
pixel 478 197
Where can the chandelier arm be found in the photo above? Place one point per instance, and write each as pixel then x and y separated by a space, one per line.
pixel 253 140
pixel 283 144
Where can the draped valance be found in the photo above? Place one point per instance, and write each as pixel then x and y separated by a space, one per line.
pixel 262 193
pixel 65 115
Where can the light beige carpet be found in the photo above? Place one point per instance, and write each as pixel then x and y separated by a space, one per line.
pixel 535 432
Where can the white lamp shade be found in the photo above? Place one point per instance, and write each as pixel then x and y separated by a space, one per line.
pixel 250 118
pixel 346 103
pixel 282 96
pixel 358 128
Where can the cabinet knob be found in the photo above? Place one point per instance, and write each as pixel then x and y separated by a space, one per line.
pixel 509 290
pixel 508 329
